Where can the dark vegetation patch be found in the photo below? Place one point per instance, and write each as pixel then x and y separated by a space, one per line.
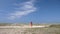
pixel 55 26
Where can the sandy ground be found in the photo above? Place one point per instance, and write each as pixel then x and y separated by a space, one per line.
pixel 15 29
pixel 21 26
pixel 28 30
pixel 11 31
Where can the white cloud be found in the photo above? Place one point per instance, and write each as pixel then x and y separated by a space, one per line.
pixel 24 9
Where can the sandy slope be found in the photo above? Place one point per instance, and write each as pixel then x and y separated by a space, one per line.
pixel 16 29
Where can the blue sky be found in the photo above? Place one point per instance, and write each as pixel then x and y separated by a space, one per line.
pixel 24 11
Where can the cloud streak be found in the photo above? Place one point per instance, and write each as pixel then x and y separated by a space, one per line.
pixel 24 9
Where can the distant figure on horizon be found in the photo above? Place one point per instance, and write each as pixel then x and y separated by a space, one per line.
pixel 31 24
